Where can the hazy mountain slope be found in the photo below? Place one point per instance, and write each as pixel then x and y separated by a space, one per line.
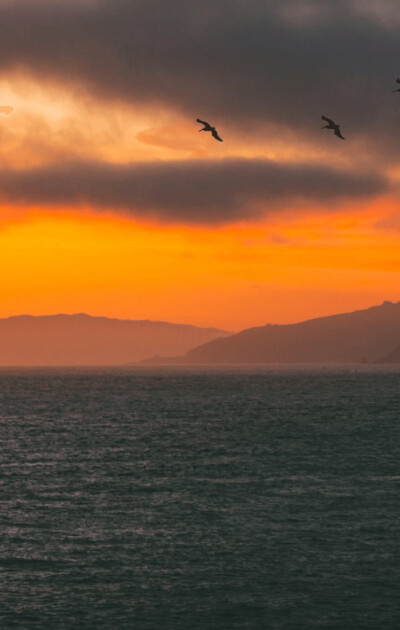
pixel 84 340
pixel 350 337
pixel 392 357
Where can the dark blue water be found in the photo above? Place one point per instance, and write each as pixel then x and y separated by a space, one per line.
pixel 199 500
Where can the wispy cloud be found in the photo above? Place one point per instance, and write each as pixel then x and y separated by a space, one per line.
pixel 6 109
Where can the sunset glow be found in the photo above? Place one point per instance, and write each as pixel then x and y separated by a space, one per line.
pixel 231 277
pixel 266 257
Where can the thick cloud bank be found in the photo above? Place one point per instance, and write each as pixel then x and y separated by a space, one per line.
pixel 189 191
pixel 243 64
pixel 280 61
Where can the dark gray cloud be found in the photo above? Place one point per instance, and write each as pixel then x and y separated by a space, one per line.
pixel 243 62
pixel 188 191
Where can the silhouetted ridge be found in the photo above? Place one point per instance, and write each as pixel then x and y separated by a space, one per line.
pixel 364 335
pixel 81 339
pixel 392 357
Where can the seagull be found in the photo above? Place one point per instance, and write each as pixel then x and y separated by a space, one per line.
pixel 397 81
pixel 334 126
pixel 207 127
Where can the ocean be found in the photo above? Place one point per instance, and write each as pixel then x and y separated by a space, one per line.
pixel 200 499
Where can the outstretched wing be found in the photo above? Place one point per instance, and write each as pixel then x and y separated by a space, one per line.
pixel 328 120
pixel 216 136
pixel 203 122
pixel 337 133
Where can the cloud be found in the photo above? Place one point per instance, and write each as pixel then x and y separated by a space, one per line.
pixel 190 191
pixel 390 223
pixel 246 63
pixel 6 109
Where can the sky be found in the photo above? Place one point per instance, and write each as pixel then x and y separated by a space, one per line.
pixel 112 203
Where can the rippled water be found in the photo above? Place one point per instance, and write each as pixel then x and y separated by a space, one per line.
pixel 164 499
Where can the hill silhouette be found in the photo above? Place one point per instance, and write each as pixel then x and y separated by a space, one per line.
pixel 84 340
pixel 392 357
pixel 360 336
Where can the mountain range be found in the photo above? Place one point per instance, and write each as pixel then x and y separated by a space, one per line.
pixel 84 340
pixel 392 357
pixel 369 336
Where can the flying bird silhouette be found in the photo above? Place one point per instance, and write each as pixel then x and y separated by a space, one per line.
pixel 397 81
pixel 334 126
pixel 208 127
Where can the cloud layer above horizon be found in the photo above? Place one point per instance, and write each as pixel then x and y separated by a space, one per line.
pixel 186 191
pixel 263 71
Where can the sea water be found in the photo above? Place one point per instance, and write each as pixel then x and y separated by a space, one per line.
pixel 200 499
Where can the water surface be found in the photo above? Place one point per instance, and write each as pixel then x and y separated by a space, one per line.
pixel 200 499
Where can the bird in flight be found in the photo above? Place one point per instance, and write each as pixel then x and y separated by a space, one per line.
pixel 208 127
pixel 334 126
pixel 397 81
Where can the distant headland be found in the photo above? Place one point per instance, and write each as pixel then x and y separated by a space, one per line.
pixel 371 335
pixel 81 339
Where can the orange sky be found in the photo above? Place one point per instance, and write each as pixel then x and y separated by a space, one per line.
pixel 284 267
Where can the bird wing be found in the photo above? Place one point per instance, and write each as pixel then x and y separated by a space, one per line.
pixel 216 136
pixel 203 122
pixel 397 80
pixel 328 120
pixel 337 133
